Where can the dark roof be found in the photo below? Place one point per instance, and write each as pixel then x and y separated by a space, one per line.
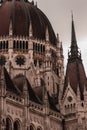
pixel 9 84
pixel 75 74
pixel 32 95
pixel 51 103
pixel 21 13
pixel 39 92
pixel 16 86
pixel 19 82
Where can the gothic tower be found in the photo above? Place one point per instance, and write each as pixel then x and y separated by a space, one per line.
pixel 74 99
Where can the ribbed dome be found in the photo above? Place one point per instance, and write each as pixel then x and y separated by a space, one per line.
pixel 21 13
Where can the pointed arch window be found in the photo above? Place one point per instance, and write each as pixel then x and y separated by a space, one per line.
pixel 16 125
pixel 8 124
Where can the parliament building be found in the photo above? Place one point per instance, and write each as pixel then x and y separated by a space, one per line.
pixel 35 94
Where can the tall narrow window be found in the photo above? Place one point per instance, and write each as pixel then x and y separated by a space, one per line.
pixel 27 45
pixel 14 47
pixel 6 44
pixel 8 124
pixel 16 125
pixel 0 45
pixel 23 45
pixel 17 44
pixel 3 44
pixel 20 45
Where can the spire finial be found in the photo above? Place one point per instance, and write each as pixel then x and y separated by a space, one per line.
pixel 73 36
pixel 74 53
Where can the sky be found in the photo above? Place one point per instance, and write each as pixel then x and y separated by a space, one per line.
pixel 59 14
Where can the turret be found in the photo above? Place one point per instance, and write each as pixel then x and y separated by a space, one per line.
pixel 30 43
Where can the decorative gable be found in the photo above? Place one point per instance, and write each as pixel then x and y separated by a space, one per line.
pixel 69 100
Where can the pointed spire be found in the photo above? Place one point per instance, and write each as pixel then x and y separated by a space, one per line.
pixel 47 34
pixel 74 52
pixel 30 30
pixel 73 35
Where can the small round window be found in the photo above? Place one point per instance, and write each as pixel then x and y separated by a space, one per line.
pixel 20 60
pixel 69 98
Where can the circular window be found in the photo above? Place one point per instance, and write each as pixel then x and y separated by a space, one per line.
pixel 20 60
pixel 69 98
pixel 2 60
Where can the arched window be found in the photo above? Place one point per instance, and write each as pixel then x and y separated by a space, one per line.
pixel 17 44
pixel 14 44
pixel 39 128
pixel 3 44
pixel 0 45
pixel 23 45
pixel 8 124
pixel 20 44
pixel 36 47
pixel 6 44
pixel 31 127
pixel 16 125
pixel 41 48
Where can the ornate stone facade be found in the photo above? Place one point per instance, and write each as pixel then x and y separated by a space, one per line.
pixel 34 94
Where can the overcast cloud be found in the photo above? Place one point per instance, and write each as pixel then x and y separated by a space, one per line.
pixel 59 14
